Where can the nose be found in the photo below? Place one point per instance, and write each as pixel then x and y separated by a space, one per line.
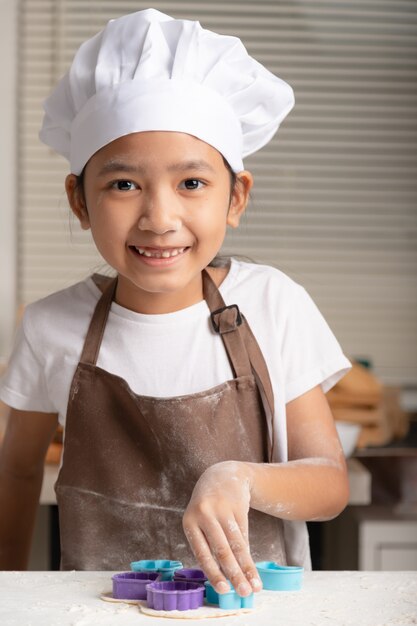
pixel 159 214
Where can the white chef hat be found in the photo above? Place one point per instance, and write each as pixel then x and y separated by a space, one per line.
pixel 147 71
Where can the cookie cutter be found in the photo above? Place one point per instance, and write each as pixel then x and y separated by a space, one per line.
pixel 163 567
pixel 229 600
pixel 132 585
pixel 279 577
pixel 190 575
pixel 174 595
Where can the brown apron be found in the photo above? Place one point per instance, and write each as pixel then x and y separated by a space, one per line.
pixel 130 462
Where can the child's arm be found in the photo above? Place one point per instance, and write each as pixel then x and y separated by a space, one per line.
pixel 313 485
pixel 22 456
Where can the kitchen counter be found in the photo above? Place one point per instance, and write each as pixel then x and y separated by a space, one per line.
pixel 334 598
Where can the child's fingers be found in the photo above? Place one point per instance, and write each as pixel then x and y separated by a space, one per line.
pixel 231 553
pixel 237 534
pixel 205 559
pixel 242 521
pixel 237 538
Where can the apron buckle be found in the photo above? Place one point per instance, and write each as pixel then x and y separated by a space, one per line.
pixel 226 323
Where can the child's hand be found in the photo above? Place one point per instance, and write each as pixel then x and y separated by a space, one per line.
pixel 216 526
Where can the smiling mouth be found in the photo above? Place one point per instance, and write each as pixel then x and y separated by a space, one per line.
pixel 158 253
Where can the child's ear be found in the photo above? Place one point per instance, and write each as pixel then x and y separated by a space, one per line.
pixel 239 198
pixel 76 200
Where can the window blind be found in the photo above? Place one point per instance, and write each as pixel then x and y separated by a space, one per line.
pixel 334 202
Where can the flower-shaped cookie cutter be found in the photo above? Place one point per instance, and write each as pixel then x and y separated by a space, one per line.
pixel 174 595
pixel 279 577
pixel 132 585
pixel 163 567
pixel 229 600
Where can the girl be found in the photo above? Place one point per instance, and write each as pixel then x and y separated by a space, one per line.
pixel 196 425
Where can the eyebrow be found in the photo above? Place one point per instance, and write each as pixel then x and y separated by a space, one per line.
pixel 115 165
pixel 198 164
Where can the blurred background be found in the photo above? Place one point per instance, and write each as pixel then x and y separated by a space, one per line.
pixel 334 206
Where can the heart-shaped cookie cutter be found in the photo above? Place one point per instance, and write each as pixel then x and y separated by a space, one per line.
pixel 132 585
pixel 279 577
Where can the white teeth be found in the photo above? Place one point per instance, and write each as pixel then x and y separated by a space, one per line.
pixel 164 254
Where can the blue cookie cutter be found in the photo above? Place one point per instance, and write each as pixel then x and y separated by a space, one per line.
pixel 279 577
pixel 228 600
pixel 164 568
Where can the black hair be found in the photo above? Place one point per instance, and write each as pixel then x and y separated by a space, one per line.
pixel 233 177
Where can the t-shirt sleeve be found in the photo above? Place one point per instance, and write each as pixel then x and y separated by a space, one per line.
pixel 311 353
pixel 23 385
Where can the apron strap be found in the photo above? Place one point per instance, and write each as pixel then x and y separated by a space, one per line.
pixel 244 353
pixel 226 320
pixel 97 325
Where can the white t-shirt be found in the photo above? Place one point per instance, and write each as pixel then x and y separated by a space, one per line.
pixel 176 353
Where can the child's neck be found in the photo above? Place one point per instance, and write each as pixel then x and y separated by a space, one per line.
pixel 139 300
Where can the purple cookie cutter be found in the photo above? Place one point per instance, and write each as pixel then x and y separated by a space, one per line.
pixel 190 575
pixel 132 585
pixel 174 595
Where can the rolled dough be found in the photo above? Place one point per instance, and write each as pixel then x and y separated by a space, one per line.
pixel 203 612
pixel 108 597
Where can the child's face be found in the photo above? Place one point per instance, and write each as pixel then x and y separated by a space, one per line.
pixel 158 204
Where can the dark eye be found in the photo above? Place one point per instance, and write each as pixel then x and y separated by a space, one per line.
pixel 124 185
pixel 191 183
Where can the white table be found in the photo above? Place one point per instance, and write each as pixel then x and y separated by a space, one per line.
pixel 333 598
